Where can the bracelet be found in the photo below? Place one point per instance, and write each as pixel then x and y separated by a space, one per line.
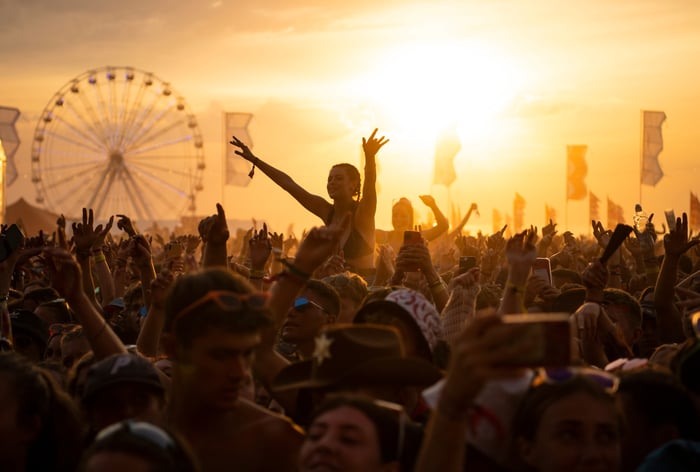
pixel 99 258
pixel 434 284
pixel 277 250
pixel 294 270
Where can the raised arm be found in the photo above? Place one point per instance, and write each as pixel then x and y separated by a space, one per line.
pixel 442 223
pixel 669 321
pixel 314 203
pixel 366 209
pixel 458 229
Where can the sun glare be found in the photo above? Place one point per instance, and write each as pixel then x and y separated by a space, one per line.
pixel 421 88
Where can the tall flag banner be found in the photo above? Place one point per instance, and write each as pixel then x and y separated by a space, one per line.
pixel 10 141
pixel 615 214
pixel 593 206
pixel 446 148
pixel 518 212
pixel 694 212
pixel 576 171
pixel 237 168
pixel 496 221
pixel 652 145
pixel 549 214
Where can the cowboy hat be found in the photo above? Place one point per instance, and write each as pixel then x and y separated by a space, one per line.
pixel 357 355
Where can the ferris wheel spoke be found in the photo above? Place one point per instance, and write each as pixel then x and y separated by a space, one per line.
pixel 161 169
pixel 159 145
pixel 89 126
pixel 135 128
pixel 144 129
pixel 105 193
pixel 155 179
pixel 77 175
pixel 157 156
pixel 137 194
pixel 79 132
pixel 101 112
pixel 70 166
pixel 77 143
pixel 78 193
pixel 144 138
pixel 95 119
pixel 108 172
pixel 155 194
pixel 131 111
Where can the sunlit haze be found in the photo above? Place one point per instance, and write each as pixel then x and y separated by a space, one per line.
pixel 518 80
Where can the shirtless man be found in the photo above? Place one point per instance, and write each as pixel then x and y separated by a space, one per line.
pixel 212 328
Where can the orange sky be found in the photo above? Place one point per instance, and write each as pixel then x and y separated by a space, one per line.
pixel 522 79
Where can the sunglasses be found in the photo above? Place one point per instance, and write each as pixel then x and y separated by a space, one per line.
pixel 608 381
pixel 141 430
pixel 301 303
pixel 228 301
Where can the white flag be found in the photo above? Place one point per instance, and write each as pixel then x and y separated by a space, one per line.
pixel 10 140
pixel 652 145
pixel 237 168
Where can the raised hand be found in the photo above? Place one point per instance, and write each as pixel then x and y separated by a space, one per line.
pixel 139 250
pixel 496 241
pixel 601 234
pixel 319 244
pixel 125 224
pixel 372 145
pixel 159 288
pixel 259 248
pixel 677 241
pixel 520 249
pixel 428 200
pixel 64 273
pixel 244 151
pixel 214 229
pixel 86 237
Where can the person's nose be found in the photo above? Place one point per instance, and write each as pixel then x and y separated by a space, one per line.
pixel 238 368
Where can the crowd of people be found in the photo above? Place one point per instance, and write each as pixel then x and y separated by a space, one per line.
pixel 352 349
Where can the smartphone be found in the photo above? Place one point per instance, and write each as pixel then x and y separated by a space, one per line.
pixel 10 241
pixel 552 336
pixel 466 263
pixel 542 268
pixel 412 238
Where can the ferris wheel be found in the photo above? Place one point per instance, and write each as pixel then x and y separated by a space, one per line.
pixel 118 140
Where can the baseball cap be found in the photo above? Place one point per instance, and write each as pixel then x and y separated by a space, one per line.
pixel 119 369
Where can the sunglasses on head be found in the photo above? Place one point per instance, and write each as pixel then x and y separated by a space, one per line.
pixel 301 303
pixel 61 328
pixel 608 381
pixel 145 431
pixel 228 301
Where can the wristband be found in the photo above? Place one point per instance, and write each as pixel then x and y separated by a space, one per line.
pixel 294 270
pixel 98 258
pixel 437 283
pixel 256 274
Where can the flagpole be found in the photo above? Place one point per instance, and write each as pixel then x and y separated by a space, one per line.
pixel 223 157
pixel 641 152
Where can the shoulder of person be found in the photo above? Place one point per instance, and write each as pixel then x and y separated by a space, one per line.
pixel 270 422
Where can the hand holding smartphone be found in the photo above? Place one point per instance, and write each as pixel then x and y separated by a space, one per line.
pixel 551 335
pixel 542 268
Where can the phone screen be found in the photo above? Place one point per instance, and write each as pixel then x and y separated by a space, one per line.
pixel 542 268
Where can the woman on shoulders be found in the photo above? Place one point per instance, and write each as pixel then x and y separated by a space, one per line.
pixel 343 188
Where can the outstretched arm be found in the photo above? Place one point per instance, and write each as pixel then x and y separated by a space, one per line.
pixel 458 229
pixel 314 203
pixel 366 209
pixel 442 223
